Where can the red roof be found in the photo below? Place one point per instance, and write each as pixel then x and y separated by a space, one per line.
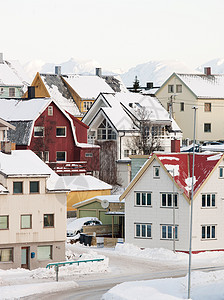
pixel 182 163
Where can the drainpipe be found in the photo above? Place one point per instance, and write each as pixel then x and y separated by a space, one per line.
pixel 120 142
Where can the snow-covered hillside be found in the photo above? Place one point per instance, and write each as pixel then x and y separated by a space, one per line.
pixel 217 66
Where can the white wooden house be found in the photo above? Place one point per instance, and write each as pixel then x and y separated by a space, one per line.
pixel 150 217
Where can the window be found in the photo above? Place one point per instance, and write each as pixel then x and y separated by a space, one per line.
pixel 158 130
pixel 105 131
pixel 208 232
pixel 17 187
pixel 12 92
pixel 87 105
pixel 156 172
pixel 167 199
pixel 26 221
pixel 4 222
pixel 61 131
pixel 46 156
pixel 167 232
pixel 207 127
pixel 208 107
pixel 50 110
pixel 143 199
pixel 133 152
pixel 88 155
pixel 91 137
pixel 143 230
pixel 61 156
pixel 208 200
pixel 179 88
pixel 38 131
pixel 126 153
pixel 170 88
pixel 181 106
pixel 221 172
pixel 6 255
pixel 44 252
pixel 49 220
pixel 34 187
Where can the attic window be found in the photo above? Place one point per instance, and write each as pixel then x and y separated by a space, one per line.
pixel 156 172
pixel 38 131
pixel 179 88
pixel 170 88
pixel 50 110
pixel 208 107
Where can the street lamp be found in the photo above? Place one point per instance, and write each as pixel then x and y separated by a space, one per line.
pixel 191 216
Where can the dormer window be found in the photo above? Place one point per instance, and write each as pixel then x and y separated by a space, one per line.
pixel 50 110
pixel 105 131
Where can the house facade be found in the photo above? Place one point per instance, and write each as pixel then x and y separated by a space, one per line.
pixel 181 92
pixel 157 203
pixel 58 138
pixel 32 212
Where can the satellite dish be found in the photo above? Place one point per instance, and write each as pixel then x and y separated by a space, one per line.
pixel 105 203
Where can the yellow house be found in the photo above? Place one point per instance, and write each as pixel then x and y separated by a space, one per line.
pixel 84 187
pixel 181 92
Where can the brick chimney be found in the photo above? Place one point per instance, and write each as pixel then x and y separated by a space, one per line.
pixel 58 70
pixel 175 146
pixel 207 71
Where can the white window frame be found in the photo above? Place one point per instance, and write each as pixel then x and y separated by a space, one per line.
pixel 170 88
pixel 167 227
pixel 30 221
pixel 169 197
pixel 182 106
pixel 178 88
pixel 65 156
pixel 141 198
pixel 61 127
pixel 38 129
pixel 155 169
pixel 208 200
pixel 126 153
pixel 206 232
pixel 221 172
pixel 87 105
pixel 143 225
pixel 210 127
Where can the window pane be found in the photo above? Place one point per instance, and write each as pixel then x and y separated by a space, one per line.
pixel 156 172
pixel 175 200
pixel 25 221
pixel 60 156
pixel 208 200
pixel 148 199
pixel 203 200
pixel 39 131
pixel 148 230
pixel 34 186
pixel 169 232
pixel 213 199
pixel 60 131
pixel 213 232
pixel 169 200
pixel 137 198
pixel 220 172
pixel 143 199
pixel 44 252
pixel 6 254
pixel 176 232
pixel 17 187
pixel 3 222
pixel 143 230
pixel 208 232
pixel 203 232
pixel 163 199
pixel 49 220
pixel 137 230
pixel 163 232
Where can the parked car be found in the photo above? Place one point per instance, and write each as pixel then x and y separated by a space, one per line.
pixel 212 146
pixel 75 227
pixel 190 148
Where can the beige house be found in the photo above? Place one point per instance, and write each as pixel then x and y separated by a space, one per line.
pixel 181 92
pixel 32 212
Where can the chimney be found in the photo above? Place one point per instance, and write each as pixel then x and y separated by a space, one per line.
pixel 207 71
pixel 31 92
pixel 98 72
pixel 149 85
pixel 6 147
pixel 175 146
pixel 58 70
pixel 1 58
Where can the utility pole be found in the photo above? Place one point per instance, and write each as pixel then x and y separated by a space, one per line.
pixel 174 225
pixel 191 216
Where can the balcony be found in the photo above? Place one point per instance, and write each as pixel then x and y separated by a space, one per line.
pixel 68 168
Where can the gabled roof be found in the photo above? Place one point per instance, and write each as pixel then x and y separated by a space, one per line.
pixel 6 124
pixel 85 183
pixel 8 76
pixel 88 87
pixel 109 198
pixel 181 163
pixel 25 163
pixel 201 85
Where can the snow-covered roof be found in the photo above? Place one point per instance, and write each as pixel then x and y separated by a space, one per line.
pixel 109 198
pixel 203 86
pixel 8 76
pixel 3 190
pixel 88 87
pixel 60 93
pixel 85 183
pixel 25 163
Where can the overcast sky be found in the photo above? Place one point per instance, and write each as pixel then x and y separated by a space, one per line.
pixel 116 33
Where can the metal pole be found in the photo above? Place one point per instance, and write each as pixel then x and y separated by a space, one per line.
pixel 191 216
pixel 173 216
pixel 56 270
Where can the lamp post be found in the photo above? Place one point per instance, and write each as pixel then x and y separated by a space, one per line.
pixel 174 225
pixel 191 215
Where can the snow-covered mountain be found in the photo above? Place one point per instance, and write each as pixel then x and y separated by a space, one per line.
pixel 217 66
pixel 154 71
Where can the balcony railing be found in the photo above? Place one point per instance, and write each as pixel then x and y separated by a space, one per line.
pixel 69 168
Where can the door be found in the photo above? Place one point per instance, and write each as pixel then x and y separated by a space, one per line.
pixel 25 257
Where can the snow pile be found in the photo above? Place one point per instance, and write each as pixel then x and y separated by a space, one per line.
pixel 204 286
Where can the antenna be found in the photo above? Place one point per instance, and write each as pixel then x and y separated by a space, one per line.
pixel 104 203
